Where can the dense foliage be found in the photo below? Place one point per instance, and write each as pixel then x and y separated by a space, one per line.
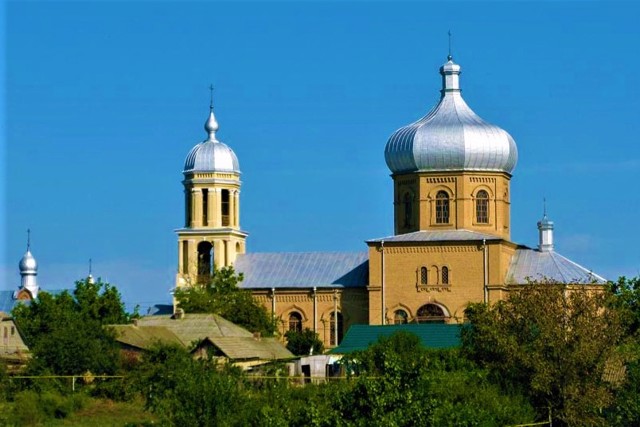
pixel 304 343
pixel 65 332
pixel 221 295
pixel 553 343
pixel 548 349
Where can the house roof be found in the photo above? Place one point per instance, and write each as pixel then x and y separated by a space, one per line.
pixel 146 336
pixel 242 348
pixel 233 340
pixel 196 326
pixel 432 335
pixel 532 264
pixel 438 236
pixel 303 269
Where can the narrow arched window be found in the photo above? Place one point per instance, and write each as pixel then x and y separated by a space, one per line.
pixel 205 207
pixel 295 322
pixel 332 333
pixel 482 207
pixel 205 261
pixel 445 275
pixel 424 276
pixel 442 208
pixel 185 257
pixel 187 208
pixel 224 208
pixel 400 317
pixel 408 209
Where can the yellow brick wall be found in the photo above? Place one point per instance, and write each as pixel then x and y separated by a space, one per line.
pixel 352 303
pixel 402 282
pixel 462 188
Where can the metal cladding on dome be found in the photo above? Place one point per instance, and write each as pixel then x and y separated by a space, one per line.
pixel 451 137
pixel 211 155
pixel 28 264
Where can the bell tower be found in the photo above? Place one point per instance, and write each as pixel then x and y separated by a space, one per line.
pixel 211 236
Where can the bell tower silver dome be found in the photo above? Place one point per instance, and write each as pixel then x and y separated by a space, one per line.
pixel 451 137
pixel 211 155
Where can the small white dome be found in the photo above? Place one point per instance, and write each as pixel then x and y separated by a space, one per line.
pixel 451 137
pixel 211 155
pixel 28 264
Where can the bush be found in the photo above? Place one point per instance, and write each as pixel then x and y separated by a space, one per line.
pixel 299 343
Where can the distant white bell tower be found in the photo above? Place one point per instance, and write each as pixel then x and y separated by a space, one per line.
pixel 545 231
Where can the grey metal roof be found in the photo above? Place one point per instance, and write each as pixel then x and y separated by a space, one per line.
pixel 438 236
pixel 7 302
pixel 303 269
pixel 536 265
pixel 451 137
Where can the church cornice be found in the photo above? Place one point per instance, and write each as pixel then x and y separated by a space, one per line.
pixel 214 232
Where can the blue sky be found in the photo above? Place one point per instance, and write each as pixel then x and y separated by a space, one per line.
pixel 103 100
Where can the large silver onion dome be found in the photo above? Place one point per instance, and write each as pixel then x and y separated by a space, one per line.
pixel 451 137
pixel 211 155
pixel 28 264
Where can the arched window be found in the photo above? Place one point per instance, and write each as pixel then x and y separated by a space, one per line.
pixel 445 275
pixel 205 260
pixel 185 257
pixel 332 333
pixel 424 276
pixel 187 208
pixel 430 313
pixel 408 209
pixel 225 208
pixel 400 317
pixel 295 321
pixel 205 207
pixel 442 207
pixel 482 207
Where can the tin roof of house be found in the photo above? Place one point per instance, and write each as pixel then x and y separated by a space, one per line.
pixel 233 340
pixel 144 337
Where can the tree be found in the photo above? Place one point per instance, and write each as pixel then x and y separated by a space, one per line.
pixel 625 298
pixel 65 332
pixel 301 343
pixel 401 383
pixel 221 295
pixel 552 342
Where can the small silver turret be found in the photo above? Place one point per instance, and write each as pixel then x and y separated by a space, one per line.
pixel 545 231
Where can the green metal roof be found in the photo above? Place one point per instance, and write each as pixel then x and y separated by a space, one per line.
pixel 432 335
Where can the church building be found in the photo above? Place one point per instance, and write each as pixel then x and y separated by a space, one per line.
pixel 451 173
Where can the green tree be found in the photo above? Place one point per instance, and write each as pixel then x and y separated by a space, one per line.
pixel 301 342
pixel 189 392
pixel 625 298
pixel 553 342
pixel 221 295
pixel 65 332
pixel 400 383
